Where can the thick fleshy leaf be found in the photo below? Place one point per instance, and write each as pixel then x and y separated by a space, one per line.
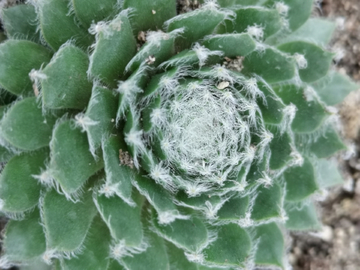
pixel 17 59
pixel 71 162
pixel 300 181
pixel 271 64
pixel 189 234
pixel 99 119
pixel 118 167
pixel 115 46
pixel 178 259
pixel 267 203
pixel 298 13
pixel 154 257
pixel 318 60
pixel 231 247
pixel 19 189
pixel 280 147
pixel 31 132
pixel 231 45
pixel 269 19
pixel 93 11
pixel 58 25
pixel 302 218
pixel 310 112
pixel 327 172
pixel 123 220
pixel 95 253
pixel 334 87
pixel 24 239
pixel 271 249
pixel 196 24
pixel 66 223
pixel 64 81
pixel 18 22
pixel 327 144
pixel 150 15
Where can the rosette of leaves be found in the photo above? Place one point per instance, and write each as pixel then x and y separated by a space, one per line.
pixel 139 138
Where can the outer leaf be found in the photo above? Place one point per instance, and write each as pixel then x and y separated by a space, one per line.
pixel 231 247
pixel 150 15
pixel 19 190
pixel 300 181
pixel 66 223
pixel 95 254
pixel 24 239
pixel 17 59
pixel 115 46
pixel 327 144
pixel 93 11
pixel 334 87
pixel 302 218
pixel 31 132
pixel 271 64
pixel 71 170
pixel 18 22
pixel 58 26
pixel 66 84
pixel 154 257
pixel 270 250
pixel 318 60
pixel 123 220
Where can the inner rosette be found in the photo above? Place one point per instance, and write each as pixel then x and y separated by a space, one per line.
pixel 191 129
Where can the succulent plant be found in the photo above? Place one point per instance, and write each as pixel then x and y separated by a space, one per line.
pixel 139 137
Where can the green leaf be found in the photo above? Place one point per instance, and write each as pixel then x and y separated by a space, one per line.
pixel 117 173
pixel 271 249
pixel 101 113
pixel 280 147
pixel 310 112
pixel 302 218
pixel 231 247
pixel 229 44
pixel 96 249
pixel 64 82
pixel 327 144
pixel 150 15
pixel 178 259
pixel 115 46
pixel 19 190
pixel 93 11
pixel 318 60
pixel 18 22
pixel 334 87
pixel 58 25
pixel 269 19
pixel 154 257
pixel 327 172
pixel 188 234
pixel 71 170
pixel 123 220
pixel 271 64
pixel 316 30
pixel 66 223
pixel 267 203
pixel 233 209
pixel 299 11
pixel 24 239
pixel 17 59
pixel 31 132
pixel 300 181
pixel 193 32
